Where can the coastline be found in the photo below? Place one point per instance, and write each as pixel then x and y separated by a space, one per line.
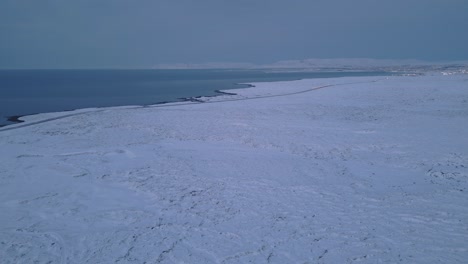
pixel 220 97
pixel 17 119
pixel 66 102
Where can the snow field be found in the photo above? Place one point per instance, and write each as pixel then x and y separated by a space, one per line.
pixel 367 170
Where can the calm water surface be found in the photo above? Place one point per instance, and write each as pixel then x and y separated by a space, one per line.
pixel 24 92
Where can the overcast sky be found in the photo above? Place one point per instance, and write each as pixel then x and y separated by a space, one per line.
pixel 142 33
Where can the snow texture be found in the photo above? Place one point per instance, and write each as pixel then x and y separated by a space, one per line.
pixel 362 170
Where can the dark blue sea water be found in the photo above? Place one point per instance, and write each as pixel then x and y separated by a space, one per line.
pixel 24 92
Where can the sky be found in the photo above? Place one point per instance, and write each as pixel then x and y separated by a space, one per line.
pixel 143 33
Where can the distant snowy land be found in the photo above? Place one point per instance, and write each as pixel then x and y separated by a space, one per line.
pixel 343 64
pixel 343 170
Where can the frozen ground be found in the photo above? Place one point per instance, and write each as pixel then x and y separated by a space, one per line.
pixel 366 170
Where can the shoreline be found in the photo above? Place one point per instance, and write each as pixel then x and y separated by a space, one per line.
pixel 182 101
pixel 282 76
pixel 16 119
pixel 205 99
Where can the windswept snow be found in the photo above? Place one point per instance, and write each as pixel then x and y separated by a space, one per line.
pixel 363 170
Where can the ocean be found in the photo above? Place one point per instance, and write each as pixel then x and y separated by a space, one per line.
pixel 25 92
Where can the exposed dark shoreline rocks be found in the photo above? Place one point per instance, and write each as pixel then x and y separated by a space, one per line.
pixel 15 119
pixel 196 99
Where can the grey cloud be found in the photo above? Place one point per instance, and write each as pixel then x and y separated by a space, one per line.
pixel 142 33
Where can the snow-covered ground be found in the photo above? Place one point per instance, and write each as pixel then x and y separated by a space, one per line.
pixel 343 64
pixel 363 170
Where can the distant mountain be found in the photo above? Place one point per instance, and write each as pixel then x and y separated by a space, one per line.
pixel 209 65
pixel 317 64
